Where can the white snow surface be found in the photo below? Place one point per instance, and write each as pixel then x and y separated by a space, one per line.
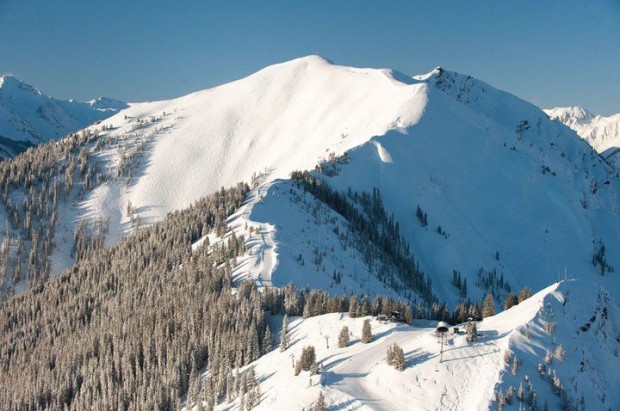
pixel 29 116
pixel 514 192
pixel 601 132
pixel 284 117
pixel 491 169
pixel 357 377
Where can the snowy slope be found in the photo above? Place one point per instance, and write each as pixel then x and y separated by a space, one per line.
pixel 29 117
pixel 602 133
pixel 284 117
pixel 300 241
pixel 358 378
pixel 516 195
pixel 500 178
pixel 584 319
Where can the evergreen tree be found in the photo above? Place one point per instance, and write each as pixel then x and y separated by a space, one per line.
pixel 396 357
pixel 548 357
pixel 399 361
pixel 308 358
pixel 366 332
pixel 253 390
pixel 521 392
pixel 353 306
pixel 284 334
pixel 515 366
pixel 506 357
pixel 267 341
pixel 488 307
pixel 524 294
pixel 501 400
pixel 320 403
pixel 510 393
pixel 343 337
pixel 471 331
pixel 511 300
pixel 560 353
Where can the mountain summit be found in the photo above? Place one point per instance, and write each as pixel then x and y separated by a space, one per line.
pixel 602 133
pixel 496 179
pixel 29 117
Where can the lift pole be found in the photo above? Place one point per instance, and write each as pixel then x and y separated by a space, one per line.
pixel 442 336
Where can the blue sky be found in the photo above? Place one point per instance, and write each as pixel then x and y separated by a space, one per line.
pixel 548 52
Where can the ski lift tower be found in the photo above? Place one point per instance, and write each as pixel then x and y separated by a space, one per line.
pixel 442 331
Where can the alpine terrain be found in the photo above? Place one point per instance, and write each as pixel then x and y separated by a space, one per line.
pixel 295 240
pixel 602 133
pixel 29 117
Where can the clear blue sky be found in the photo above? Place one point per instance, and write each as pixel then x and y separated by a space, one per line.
pixel 560 52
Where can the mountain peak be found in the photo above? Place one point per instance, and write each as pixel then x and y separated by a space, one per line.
pixel 107 104
pixel 572 113
pixel 601 132
pixel 8 79
pixel 10 84
pixel 31 117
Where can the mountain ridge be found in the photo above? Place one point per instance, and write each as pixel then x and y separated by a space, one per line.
pixel 601 132
pixel 439 132
pixel 438 196
pixel 28 117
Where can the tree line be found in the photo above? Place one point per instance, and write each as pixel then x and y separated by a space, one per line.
pixel 376 234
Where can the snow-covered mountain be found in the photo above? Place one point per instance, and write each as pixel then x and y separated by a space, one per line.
pixel 413 182
pixel 512 199
pixel 29 117
pixel 602 133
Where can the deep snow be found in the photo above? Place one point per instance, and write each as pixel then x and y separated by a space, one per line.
pixel 602 133
pixel 29 117
pixel 358 378
pixel 498 177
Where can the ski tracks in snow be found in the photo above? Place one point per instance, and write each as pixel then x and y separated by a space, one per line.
pixel 261 249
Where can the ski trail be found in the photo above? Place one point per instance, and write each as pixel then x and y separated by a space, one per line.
pixel 268 260
pixel 261 258
pixel 361 377
pixel 347 378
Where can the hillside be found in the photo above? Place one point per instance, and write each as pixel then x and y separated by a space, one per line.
pixel 511 199
pixel 123 286
pixel 357 377
pixel 602 133
pixel 28 117
pixel 501 187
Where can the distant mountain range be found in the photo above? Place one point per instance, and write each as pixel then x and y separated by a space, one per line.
pixel 28 117
pixel 602 133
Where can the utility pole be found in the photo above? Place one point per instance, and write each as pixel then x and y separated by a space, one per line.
pixel 442 336
pixel 442 330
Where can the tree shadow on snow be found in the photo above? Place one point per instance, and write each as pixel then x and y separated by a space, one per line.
pixel 352 404
pixel 329 366
pixel 417 356
pixel 334 378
